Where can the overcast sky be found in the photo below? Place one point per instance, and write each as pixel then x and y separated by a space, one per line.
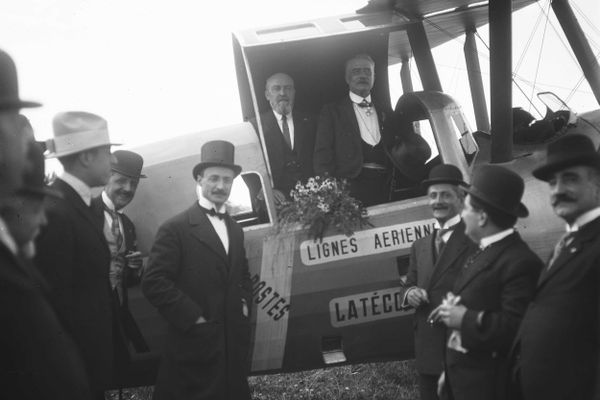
pixel 157 68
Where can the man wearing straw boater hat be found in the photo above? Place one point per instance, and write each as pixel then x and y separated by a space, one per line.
pixel 72 252
pixel 434 264
pixel 490 295
pixel 197 277
pixel 556 354
pixel 38 358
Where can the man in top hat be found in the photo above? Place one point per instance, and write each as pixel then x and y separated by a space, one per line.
pixel 557 350
pixel 434 264
pixel 289 136
pixel 72 252
pixel 490 295
pixel 198 278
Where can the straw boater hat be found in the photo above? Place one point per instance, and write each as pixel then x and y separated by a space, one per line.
pixel 499 188
pixel 128 163
pixel 444 173
pixel 77 131
pixel 217 153
pixel 9 86
pixel 568 151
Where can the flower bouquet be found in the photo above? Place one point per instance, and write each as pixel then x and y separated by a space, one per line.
pixel 322 203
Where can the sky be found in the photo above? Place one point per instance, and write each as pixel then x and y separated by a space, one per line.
pixel 155 69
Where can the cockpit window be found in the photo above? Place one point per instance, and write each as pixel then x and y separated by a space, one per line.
pixel 242 204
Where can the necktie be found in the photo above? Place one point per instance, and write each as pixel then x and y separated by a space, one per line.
pixel 214 213
pixel 115 228
pixel 286 131
pixel 365 104
pixel 564 241
pixel 439 240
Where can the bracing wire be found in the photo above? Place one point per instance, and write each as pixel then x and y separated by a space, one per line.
pixel 537 67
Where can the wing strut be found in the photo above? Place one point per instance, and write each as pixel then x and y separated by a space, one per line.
pixel 475 82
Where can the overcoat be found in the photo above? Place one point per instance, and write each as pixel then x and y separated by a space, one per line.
pixel 39 359
pixel 190 275
pixel 500 281
pixel 74 258
pixel 559 338
pixel 437 278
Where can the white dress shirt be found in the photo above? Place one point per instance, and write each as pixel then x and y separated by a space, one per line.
pixel 368 124
pixel 496 237
pixel 447 225
pixel 583 219
pixel 82 189
pixel 290 123
pixel 217 223
pixel 7 239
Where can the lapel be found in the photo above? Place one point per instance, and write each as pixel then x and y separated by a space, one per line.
pixel 349 115
pixel 456 246
pixel 273 139
pixel 235 238
pixel 484 261
pixel 299 121
pixel 202 229
pixel 76 202
pixel 426 259
pixel 581 242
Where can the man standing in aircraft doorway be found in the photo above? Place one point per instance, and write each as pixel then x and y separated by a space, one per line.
pixel 198 278
pixel 556 354
pixel 434 264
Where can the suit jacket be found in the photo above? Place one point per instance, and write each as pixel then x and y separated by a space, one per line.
pixel 39 359
pixel 500 282
pixel 437 278
pixel 189 275
pixel 74 258
pixel 559 338
pixel 304 143
pixel 338 144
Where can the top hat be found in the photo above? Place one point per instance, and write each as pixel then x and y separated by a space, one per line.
pixel 568 151
pixel 216 153
pixel 34 179
pixel 128 163
pixel 499 188
pixel 444 173
pixel 76 131
pixel 9 86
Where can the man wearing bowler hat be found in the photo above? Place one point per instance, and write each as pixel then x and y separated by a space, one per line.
pixel 434 263
pixel 72 252
pixel 490 295
pixel 198 278
pixel 556 354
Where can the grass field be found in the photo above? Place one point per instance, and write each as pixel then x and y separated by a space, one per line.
pixel 377 381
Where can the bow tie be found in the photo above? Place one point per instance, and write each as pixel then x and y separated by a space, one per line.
pixel 213 212
pixel 365 104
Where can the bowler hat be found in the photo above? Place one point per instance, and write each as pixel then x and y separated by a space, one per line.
pixel 444 173
pixel 568 151
pixel 9 86
pixel 34 179
pixel 77 131
pixel 216 153
pixel 128 163
pixel 499 188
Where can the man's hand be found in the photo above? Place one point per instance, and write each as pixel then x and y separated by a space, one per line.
pixel 440 384
pixel 134 259
pixel 417 296
pixel 278 197
pixel 200 320
pixel 452 315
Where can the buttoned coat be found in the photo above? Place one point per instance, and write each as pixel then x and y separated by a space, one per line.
pixel 304 143
pixel 500 282
pixel 338 144
pixel 437 278
pixel 559 338
pixel 73 257
pixel 39 358
pixel 190 275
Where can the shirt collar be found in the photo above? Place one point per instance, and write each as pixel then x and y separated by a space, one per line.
pixel 448 224
pixel 583 219
pixel 7 239
pixel 278 116
pixel 108 202
pixel 82 189
pixel 204 202
pixel 357 99
pixel 496 237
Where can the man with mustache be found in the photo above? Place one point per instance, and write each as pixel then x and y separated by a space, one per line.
pixel 556 354
pixel 289 136
pixel 435 261
pixel 350 141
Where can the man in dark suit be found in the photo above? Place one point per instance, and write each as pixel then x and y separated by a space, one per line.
pixel 72 252
pixel 434 263
pixel 198 278
pixel 289 137
pixel 38 358
pixel 492 291
pixel 557 350
pixel 350 142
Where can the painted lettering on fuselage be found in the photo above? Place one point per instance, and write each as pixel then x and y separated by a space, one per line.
pixel 366 307
pixel 268 299
pixel 363 243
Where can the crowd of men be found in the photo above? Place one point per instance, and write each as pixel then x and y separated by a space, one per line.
pixel 493 321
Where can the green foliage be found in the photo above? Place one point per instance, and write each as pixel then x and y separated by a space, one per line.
pixel 320 204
